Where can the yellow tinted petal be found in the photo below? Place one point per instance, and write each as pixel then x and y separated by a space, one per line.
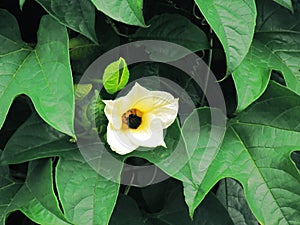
pixel 149 135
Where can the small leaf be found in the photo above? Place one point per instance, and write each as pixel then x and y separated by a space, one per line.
pixel 126 11
pixel 79 15
pixel 43 73
pixel 82 90
pixel 115 76
pixel 231 194
pixel 233 22
pixel 286 3
pixel 21 3
pixel 172 28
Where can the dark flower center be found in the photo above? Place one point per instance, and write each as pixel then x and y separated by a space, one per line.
pixel 134 121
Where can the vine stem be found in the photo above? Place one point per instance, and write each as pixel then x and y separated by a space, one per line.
pixel 210 52
pixel 127 188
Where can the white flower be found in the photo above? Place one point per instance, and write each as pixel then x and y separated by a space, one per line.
pixel 138 119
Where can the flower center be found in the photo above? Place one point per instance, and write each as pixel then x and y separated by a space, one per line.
pixel 132 118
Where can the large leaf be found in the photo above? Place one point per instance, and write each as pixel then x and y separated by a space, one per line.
pixel 40 183
pixel 172 28
pixel 79 15
pixel 279 31
pixel 28 204
pixel 126 11
pixel 43 73
pixel 35 140
pixel 233 22
pixel 36 199
pixel 175 212
pixel 256 148
pixel 173 209
pixel 86 196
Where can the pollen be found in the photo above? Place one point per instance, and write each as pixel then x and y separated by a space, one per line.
pixel 132 118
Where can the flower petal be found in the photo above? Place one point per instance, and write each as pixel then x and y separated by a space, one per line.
pixel 114 109
pixel 119 141
pixel 161 104
pixel 150 134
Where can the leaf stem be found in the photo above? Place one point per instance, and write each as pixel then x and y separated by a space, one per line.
pixel 127 188
pixel 113 25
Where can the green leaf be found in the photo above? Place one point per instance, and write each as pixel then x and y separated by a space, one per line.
pixel 33 209
pixel 286 3
pixel 233 22
pixel 79 15
pixel 279 31
pixel 231 194
pixel 21 3
pixel 175 154
pixel 127 212
pixel 81 48
pixel 252 76
pixel 115 76
pixel 210 211
pixel 126 11
pixel 86 196
pixel 173 209
pixel 36 198
pixel 35 140
pixel 43 73
pixel 8 189
pixel 40 183
pixel 172 28
pixel 256 148
pixel 82 90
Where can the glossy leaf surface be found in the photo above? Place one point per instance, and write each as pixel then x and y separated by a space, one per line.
pixel 40 73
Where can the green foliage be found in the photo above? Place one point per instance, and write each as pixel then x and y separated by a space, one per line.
pixel 115 76
pixel 78 15
pixel 172 28
pixel 51 72
pixel 126 11
pixel 233 22
pixel 224 168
